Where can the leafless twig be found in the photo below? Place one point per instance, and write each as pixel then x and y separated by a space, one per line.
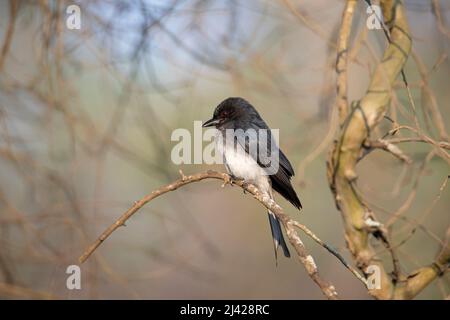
pixel 305 258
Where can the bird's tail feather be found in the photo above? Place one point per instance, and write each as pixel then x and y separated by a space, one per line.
pixel 277 234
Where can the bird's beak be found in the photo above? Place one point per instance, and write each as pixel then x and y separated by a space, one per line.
pixel 210 123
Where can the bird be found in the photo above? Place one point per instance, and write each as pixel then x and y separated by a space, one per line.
pixel 237 115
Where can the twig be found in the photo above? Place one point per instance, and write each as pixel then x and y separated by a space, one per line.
pixel 441 144
pixel 330 250
pixel 431 100
pixel 437 12
pixel 412 195
pixel 13 6
pixel 386 145
pixel 309 23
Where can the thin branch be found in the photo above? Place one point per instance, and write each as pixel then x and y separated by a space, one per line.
pixel 305 258
pixel 13 6
pixel 438 146
pixel 412 195
pixel 342 60
pixel 441 144
pixel 389 147
pixel 437 12
pixel 330 250
pixel 309 23
pixel 429 99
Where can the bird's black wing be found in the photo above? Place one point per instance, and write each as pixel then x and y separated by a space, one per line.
pixel 281 178
pixel 281 181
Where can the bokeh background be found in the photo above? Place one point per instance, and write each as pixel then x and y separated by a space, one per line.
pixel 86 118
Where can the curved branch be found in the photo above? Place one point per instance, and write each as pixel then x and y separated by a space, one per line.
pixel 305 258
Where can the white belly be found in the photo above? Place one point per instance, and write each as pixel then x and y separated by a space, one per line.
pixel 243 166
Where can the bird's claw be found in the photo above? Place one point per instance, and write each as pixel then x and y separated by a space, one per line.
pixel 227 180
pixel 242 182
pixel 232 180
pixel 244 186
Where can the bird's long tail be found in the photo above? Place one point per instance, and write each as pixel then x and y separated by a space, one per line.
pixel 277 234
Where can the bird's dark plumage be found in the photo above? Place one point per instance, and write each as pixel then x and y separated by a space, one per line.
pixel 237 113
pixel 245 116
pixel 281 182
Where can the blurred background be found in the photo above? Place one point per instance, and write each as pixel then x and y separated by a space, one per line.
pixel 86 117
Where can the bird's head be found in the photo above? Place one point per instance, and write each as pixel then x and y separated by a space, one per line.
pixel 230 110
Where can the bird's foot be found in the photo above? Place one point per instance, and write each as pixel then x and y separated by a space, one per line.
pixel 226 180
pixel 232 180
pixel 244 186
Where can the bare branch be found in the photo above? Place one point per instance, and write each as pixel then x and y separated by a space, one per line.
pixel 305 258
pixel 389 147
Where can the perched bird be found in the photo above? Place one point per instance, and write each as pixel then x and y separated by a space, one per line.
pixel 239 116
